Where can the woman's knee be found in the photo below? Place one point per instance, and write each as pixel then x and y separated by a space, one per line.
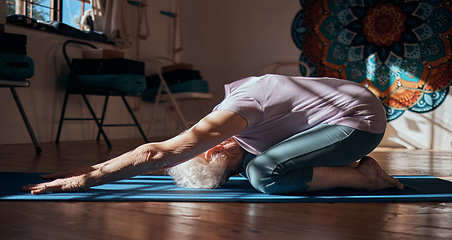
pixel 270 181
pixel 261 178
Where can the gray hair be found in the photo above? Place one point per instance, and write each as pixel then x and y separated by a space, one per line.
pixel 199 173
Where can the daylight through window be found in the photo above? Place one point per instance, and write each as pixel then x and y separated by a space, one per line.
pixel 71 12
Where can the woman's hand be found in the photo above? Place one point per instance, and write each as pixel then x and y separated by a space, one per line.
pixel 68 181
pixel 71 184
pixel 143 159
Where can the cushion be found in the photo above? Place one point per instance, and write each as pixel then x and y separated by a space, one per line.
pixel 55 27
pixel 67 30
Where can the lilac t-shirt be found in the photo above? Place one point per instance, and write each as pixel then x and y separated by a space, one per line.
pixel 277 107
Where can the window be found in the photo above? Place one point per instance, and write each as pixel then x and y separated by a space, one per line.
pixel 67 11
pixel 44 10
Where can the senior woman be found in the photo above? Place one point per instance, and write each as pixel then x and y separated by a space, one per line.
pixel 285 134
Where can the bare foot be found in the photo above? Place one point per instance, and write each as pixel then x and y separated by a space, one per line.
pixel 376 176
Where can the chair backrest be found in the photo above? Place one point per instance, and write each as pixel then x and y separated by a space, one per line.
pixel 68 61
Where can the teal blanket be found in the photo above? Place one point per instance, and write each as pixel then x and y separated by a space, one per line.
pixel 16 66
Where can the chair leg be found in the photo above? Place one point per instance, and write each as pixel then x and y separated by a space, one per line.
pixel 134 118
pixel 27 123
pixel 103 116
pixel 154 110
pixel 63 111
pixel 96 120
pixel 164 86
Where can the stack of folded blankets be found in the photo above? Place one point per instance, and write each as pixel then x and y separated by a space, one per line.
pixel 180 77
pixel 14 62
pixel 104 69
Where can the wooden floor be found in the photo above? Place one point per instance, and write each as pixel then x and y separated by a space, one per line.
pixel 178 221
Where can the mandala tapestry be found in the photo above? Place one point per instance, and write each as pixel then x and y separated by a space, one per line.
pixel 400 50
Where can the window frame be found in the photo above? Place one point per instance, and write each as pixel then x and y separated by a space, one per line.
pixel 55 8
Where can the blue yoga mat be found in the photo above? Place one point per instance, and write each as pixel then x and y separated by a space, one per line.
pixel 155 188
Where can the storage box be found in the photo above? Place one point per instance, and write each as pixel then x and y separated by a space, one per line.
pixel 177 66
pixel 13 43
pixel 102 54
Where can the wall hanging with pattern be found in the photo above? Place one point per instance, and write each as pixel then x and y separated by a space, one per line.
pixel 400 50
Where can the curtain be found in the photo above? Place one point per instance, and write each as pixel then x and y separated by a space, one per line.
pixel 120 20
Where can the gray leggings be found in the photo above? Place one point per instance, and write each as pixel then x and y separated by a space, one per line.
pixel 288 166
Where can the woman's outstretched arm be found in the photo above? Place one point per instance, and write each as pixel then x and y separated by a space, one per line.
pixel 207 133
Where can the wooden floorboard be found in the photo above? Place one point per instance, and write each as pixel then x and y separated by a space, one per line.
pixel 179 220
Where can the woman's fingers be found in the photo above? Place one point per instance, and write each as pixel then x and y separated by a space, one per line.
pixel 39 188
pixel 71 184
